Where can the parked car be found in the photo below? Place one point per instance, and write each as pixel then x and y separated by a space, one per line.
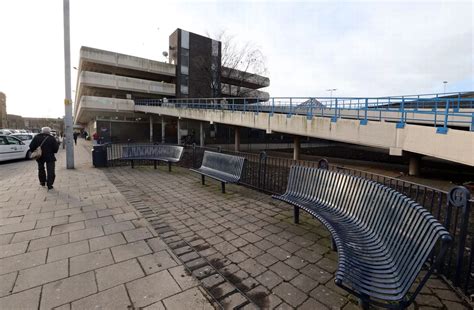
pixel 13 148
pixel 54 133
pixel 5 132
pixel 25 137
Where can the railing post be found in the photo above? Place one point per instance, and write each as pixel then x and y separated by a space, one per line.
pixel 459 197
pixel 245 105
pixel 193 163
pixel 262 168
pixel 310 112
pixel 444 129
pixel 257 104
pixel 291 104
pixel 334 118
pixel 273 107
pixel 472 122
pixel 401 124
pixel 456 108
pixel 364 121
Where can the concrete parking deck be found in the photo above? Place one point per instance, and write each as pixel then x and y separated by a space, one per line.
pixel 123 238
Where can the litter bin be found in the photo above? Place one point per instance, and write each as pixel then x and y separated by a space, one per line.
pixel 99 155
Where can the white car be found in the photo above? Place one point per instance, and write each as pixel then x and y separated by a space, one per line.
pixel 13 148
pixel 25 137
pixel 5 132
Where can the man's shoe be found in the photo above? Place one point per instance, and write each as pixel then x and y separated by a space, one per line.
pixel 42 183
pixel 50 187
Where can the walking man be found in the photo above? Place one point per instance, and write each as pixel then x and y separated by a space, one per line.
pixel 49 146
pixel 75 134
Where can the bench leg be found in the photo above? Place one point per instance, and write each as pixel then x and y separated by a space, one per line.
pixel 169 166
pixel 364 302
pixel 202 179
pixel 154 163
pixel 296 215
pixel 132 163
pixel 223 187
pixel 333 245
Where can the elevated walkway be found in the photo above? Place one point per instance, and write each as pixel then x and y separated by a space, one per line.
pixel 445 132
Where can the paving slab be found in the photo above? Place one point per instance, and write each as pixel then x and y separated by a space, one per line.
pixel 114 298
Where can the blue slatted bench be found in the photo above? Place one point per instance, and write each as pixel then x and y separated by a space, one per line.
pixel 161 152
pixel 221 167
pixel 382 237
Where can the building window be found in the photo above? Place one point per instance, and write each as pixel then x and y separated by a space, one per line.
pixel 184 39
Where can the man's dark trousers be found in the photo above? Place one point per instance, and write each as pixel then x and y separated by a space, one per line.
pixel 49 180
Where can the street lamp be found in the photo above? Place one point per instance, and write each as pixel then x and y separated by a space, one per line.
pixel 331 90
pixel 445 82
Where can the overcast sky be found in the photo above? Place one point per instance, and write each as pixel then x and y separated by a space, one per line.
pixel 360 48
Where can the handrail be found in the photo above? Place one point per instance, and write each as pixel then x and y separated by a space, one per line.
pixel 440 110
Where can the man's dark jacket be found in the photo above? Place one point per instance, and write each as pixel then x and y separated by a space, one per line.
pixel 49 148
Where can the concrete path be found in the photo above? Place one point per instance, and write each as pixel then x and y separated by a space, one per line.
pixel 82 245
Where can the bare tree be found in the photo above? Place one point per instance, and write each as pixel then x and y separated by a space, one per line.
pixel 239 62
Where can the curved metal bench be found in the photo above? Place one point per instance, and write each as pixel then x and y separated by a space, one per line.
pixel 383 238
pixel 221 167
pixel 161 152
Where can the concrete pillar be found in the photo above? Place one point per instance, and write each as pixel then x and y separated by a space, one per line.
pixel 163 124
pixel 178 127
pixel 237 138
pixel 201 134
pixel 151 128
pixel 296 148
pixel 414 166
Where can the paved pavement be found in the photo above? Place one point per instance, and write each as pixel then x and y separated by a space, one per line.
pixel 244 247
pixel 83 246
pixel 122 238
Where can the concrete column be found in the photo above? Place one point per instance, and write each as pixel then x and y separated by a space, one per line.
pixel 163 124
pixel 415 165
pixel 151 128
pixel 296 148
pixel 237 138
pixel 178 125
pixel 201 134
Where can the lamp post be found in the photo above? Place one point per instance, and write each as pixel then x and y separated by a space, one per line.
pixel 331 90
pixel 445 82
pixel 67 99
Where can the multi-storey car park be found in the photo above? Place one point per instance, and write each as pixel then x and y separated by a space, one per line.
pixel 109 82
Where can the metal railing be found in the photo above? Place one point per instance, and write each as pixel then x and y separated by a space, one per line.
pixel 439 110
pixel 270 174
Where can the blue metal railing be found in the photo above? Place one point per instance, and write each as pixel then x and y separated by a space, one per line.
pixel 440 110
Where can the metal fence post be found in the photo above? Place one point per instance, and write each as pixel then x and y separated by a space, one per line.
pixel 459 197
pixel 472 122
pixel 310 112
pixel 364 121
pixel 334 118
pixel 194 156
pixel 291 104
pixel 444 129
pixel 262 167
pixel 401 124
